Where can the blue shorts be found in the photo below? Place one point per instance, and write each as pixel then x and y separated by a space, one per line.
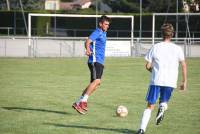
pixel 154 91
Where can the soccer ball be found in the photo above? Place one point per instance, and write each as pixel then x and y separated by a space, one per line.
pixel 121 111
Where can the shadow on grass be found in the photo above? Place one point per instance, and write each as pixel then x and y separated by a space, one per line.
pixel 106 105
pixel 34 109
pixel 123 131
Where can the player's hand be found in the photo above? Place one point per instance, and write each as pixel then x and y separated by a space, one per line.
pixel 150 69
pixel 183 86
pixel 88 52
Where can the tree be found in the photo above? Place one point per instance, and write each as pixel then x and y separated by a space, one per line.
pixel 126 6
pixel 66 0
pixel 33 4
pixel 163 5
pixel 193 5
pixel 27 4
pixel 130 6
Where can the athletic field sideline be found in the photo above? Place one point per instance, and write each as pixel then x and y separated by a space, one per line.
pixel 36 95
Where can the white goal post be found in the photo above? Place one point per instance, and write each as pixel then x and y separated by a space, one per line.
pixel 30 15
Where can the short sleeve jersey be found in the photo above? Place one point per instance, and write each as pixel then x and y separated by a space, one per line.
pixel 97 47
pixel 165 58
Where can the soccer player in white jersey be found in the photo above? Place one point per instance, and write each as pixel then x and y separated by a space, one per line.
pixel 95 50
pixel 163 60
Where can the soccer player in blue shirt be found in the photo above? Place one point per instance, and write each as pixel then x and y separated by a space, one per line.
pixel 95 50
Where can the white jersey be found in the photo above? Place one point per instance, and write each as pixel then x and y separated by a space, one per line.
pixel 165 58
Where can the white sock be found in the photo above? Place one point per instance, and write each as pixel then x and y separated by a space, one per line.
pixel 84 98
pixel 145 118
pixel 163 104
pixel 79 100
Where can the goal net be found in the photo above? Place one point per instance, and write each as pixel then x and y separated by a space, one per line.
pixel 187 30
pixel 63 35
pixel 187 33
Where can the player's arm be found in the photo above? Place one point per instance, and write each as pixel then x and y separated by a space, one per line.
pixel 149 66
pixel 87 46
pixel 184 75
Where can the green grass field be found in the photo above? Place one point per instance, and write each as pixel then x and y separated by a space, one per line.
pixel 36 97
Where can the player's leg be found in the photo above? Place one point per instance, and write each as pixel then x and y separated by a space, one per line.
pixel 96 74
pixel 81 104
pixel 152 96
pixel 92 87
pixel 165 94
pixel 96 70
pixel 92 78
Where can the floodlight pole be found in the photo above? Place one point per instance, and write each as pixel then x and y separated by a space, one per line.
pixel 176 19
pixel 153 29
pixel 22 9
pixel 132 35
pixel 55 29
pixel 8 4
pixel 96 13
pixel 140 35
pixel 29 35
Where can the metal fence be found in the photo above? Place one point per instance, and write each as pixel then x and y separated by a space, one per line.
pixel 74 47
pixel 190 46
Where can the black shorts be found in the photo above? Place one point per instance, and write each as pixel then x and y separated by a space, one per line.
pixel 96 70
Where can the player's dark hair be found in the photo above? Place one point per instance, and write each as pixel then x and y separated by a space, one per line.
pixel 104 18
pixel 167 30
